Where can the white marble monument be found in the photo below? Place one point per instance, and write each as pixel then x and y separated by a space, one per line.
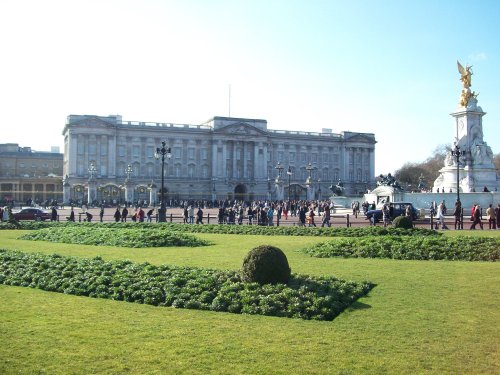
pixel 476 171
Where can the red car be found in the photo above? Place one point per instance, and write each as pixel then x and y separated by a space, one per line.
pixel 31 214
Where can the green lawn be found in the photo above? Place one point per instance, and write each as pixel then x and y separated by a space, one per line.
pixel 422 317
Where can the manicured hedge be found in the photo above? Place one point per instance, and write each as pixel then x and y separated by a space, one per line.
pixel 240 229
pixel 109 236
pixel 305 297
pixel 414 248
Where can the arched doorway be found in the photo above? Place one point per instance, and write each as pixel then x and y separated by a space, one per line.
pixel 240 192
pixel 110 194
pixel 297 192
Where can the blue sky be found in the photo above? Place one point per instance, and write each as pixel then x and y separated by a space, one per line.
pixel 386 67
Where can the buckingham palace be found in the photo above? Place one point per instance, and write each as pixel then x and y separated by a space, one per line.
pixel 108 159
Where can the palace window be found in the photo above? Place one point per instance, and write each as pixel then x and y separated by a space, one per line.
pixel 136 151
pixel 121 151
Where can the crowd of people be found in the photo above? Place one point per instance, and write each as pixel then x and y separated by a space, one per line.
pixel 270 213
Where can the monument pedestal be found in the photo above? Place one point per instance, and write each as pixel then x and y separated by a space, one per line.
pixel 476 169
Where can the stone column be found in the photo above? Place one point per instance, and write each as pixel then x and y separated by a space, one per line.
pixel 214 159
pixel 224 159
pixel 73 149
pixel 66 191
pixel 244 160
pixel 235 146
pixel 129 191
pixel 92 191
pixel 255 161
pixel 153 193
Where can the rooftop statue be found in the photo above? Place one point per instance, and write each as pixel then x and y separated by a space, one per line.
pixel 465 75
pixel 466 78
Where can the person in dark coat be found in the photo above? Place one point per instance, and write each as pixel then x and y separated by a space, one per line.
pixel 476 217
pixel 117 215
pixel 199 216
pixel 53 216
pixel 124 214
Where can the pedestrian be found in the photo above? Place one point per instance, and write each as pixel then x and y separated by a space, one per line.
pixel 72 215
pixel 270 216
pixel 310 217
pixel 250 214
pixel 302 216
pixel 140 215
pixel 326 217
pixel 101 214
pixel 89 216
pixel 185 215
pixel 124 214
pixel 191 214
pixel 441 210
pixel 476 217
pixel 497 214
pixel 241 214
pixel 53 215
pixel 386 217
pixel 457 213
pixel 490 215
pixel 199 216
pixel 117 215
pixel 150 214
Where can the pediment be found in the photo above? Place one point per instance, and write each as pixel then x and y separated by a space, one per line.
pixel 241 128
pixel 92 121
pixel 361 138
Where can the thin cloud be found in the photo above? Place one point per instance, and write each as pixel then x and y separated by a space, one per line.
pixel 481 56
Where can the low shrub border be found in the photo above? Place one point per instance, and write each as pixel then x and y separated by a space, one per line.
pixel 113 236
pixel 409 248
pixel 305 297
pixel 238 229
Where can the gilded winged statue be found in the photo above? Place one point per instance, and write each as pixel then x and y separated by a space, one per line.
pixel 465 74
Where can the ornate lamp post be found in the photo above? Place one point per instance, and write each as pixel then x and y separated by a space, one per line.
pixel 289 173
pixel 279 167
pixel 457 153
pixel 92 184
pixel 129 171
pixel 163 151
pixel 319 189
pixel 92 171
pixel 309 169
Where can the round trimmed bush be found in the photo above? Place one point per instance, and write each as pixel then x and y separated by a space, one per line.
pixel 402 222
pixel 266 265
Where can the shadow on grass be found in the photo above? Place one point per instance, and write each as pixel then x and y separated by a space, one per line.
pixel 358 306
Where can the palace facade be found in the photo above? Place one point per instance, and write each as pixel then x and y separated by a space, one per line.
pixel 107 159
pixel 29 176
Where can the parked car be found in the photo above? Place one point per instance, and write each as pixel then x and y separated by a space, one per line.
pixel 31 214
pixel 395 209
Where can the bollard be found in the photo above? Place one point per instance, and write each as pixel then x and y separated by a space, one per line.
pixel 79 218
pixel 462 219
pixel 208 218
pixel 347 219
pixel 171 217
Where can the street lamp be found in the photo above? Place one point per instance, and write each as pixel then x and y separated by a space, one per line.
pixel 457 153
pixel 289 173
pixel 309 169
pixel 279 167
pixel 163 151
pixel 129 171
pixel 319 188
pixel 92 170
